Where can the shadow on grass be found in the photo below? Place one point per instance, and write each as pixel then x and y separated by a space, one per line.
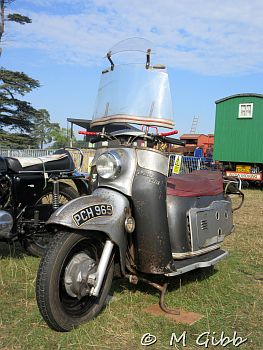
pixel 173 282
pixel 11 250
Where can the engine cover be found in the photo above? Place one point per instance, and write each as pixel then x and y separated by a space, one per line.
pixel 209 225
pixel 6 223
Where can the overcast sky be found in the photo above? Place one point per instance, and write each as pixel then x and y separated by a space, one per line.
pixel 213 49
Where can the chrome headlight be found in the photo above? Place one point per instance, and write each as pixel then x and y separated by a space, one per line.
pixel 109 165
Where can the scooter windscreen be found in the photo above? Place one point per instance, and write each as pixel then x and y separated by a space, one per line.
pixel 134 93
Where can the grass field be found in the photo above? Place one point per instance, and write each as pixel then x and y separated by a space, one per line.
pixel 231 299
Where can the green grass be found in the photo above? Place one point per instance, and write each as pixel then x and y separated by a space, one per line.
pixel 231 299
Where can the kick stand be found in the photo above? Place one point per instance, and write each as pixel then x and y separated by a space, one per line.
pixel 163 289
pixel 162 304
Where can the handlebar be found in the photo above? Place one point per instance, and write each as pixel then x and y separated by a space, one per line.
pixel 90 133
pixel 99 135
pixel 169 133
pixel 174 141
pixel 163 136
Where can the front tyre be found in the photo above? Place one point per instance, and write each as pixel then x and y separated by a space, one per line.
pixel 62 300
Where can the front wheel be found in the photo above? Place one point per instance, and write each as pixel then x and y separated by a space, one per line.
pixel 62 297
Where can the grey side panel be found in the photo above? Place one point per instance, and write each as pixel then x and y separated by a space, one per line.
pixel 177 208
pixel 112 225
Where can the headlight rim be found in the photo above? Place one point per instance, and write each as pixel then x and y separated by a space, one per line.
pixel 118 165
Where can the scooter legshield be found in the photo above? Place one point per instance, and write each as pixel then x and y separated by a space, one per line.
pixel 152 240
pixel 104 211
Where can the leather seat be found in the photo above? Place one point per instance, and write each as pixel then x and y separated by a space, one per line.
pixel 196 184
pixel 65 164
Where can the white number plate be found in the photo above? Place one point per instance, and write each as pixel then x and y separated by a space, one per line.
pixel 92 212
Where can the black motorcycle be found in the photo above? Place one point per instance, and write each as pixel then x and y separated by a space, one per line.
pixel 31 189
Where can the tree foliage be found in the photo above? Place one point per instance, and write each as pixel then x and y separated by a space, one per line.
pixel 11 17
pixel 43 129
pixel 21 125
pixel 28 126
pixel 61 137
pixel 16 17
pixel 16 140
pixel 16 114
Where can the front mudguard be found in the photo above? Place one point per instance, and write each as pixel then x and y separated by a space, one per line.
pixel 112 224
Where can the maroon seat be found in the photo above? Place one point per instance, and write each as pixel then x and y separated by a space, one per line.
pixel 196 184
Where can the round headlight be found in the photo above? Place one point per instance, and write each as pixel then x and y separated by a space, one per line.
pixel 108 165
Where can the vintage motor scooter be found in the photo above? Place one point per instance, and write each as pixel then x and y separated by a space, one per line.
pixel 137 220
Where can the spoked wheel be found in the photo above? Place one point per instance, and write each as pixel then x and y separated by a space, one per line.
pixel 62 290
pixel 37 239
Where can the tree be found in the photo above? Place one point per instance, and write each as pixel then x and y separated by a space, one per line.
pixel 16 140
pixel 43 129
pixel 16 115
pixel 61 138
pixel 12 17
pixel 21 125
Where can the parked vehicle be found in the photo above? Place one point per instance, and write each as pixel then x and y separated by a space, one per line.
pixel 31 189
pixel 238 137
pixel 137 219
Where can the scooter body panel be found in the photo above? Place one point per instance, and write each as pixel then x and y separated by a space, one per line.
pixel 105 211
pixel 151 236
pixel 122 183
pixel 143 178
pixel 192 222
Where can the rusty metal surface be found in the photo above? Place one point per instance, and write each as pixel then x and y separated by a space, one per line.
pixel 151 235
pixel 185 317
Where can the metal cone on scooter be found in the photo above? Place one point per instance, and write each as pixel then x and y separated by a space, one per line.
pixel 137 221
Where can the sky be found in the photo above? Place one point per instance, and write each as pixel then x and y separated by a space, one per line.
pixel 212 48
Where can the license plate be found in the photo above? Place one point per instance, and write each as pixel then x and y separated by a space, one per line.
pixel 245 176
pixel 92 212
pixel 243 168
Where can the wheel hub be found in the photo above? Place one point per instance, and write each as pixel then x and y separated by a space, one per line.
pixel 76 275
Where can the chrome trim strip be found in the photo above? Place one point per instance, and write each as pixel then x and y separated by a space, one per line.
pixel 196 253
pixel 122 118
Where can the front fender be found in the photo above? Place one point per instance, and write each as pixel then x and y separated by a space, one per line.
pixel 112 223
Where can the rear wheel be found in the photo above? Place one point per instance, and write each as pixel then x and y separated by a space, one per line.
pixel 36 239
pixel 62 296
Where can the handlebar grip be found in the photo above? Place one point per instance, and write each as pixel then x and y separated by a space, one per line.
pixel 174 141
pixel 169 133
pixel 179 143
pixel 91 133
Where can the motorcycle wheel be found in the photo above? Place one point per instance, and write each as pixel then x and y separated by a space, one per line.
pixel 62 311
pixel 37 243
